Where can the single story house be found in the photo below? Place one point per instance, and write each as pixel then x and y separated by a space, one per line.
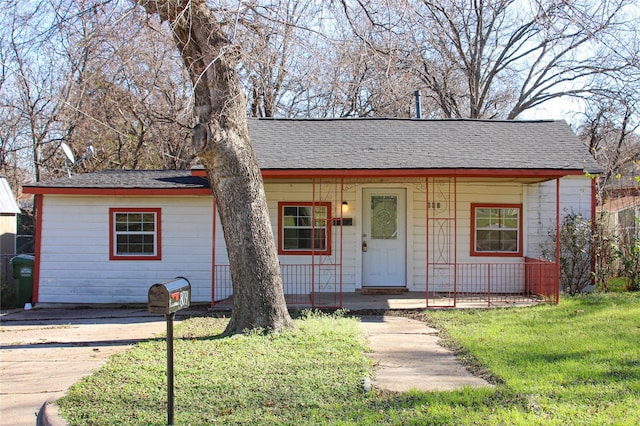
pixel 452 208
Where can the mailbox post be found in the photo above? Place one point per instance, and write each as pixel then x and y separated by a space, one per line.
pixel 168 298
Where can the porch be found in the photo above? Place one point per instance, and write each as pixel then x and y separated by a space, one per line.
pixel 357 301
pixel 417 234
pixel 474 285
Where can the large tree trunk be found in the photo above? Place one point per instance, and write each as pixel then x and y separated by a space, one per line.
pixel 222 139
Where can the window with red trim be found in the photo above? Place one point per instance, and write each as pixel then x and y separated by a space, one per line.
pixel 496 229
pixel 134 234
pixel 304 228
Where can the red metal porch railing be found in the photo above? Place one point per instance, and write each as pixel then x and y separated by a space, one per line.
pixel 491 283
pixel 478 283
pixel 542 279
pixel 301 288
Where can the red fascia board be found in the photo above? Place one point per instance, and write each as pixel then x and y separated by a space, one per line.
pixel 530 173
pixel 291 173
pixel 38 250
pixel 115 191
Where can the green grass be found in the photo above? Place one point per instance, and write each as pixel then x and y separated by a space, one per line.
pixel 252 378
pixel 618 284
pixel 577 363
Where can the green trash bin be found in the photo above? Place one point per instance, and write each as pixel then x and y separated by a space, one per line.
pixel 22 268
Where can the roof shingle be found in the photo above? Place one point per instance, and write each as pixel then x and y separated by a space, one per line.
pixel 417 144
pixel 378 144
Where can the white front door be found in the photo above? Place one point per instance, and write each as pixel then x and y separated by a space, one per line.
pixel 384 239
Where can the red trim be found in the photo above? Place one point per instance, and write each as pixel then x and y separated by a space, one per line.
pixel 455 235
pixel 341 234
pixel 335 173
pixel 533 173
pixel 116 191
pixel 593 227
pixel 426 236
pixel 157 211
pixel 213 253
pixel 313 240
pixel 38 250
pixel 557 240
pixel 311 251
pixel 474 206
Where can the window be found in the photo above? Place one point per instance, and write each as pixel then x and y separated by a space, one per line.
pixel 496 229
pixel 304 227
pixel 134 234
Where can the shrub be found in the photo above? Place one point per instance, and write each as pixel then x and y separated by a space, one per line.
pixel 576 240
pixel 7 293
pixel 629 256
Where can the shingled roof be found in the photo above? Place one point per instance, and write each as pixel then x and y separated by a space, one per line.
pixel 378 144
pixel 417 144
pixel 162 180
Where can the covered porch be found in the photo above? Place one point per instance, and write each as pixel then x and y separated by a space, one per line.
pixel 438 269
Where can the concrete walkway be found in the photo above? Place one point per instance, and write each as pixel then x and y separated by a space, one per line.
pixel 408 356
pixel 44 351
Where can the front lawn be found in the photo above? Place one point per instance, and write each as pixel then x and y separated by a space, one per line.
pixel 575 363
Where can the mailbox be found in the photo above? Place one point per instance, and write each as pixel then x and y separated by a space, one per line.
pixel 169 297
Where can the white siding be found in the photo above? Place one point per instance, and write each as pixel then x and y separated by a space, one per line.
pixel 575 197
pixel 74 258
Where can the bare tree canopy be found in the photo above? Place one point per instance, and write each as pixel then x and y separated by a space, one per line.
pixel 70 77
pixel 499 58
pixel 610 130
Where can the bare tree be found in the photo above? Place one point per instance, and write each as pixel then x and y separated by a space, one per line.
pixel 30 104
pixel 609 129
pixel 131 103
pixel 222 138
pixel 499 58
pixel 300 59
pixel 270 39
pixel 128 101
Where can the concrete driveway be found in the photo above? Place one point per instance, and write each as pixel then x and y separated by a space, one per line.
pixel 44 351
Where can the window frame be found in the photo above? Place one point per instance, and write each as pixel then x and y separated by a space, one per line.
pixel 281 228
pixel 113 255
pixel 474 251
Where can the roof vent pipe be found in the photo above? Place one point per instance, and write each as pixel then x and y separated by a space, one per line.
pixel 418 107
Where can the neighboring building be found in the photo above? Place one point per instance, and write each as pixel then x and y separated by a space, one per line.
pixel 622 218
pixel 448 207
pixel 625 184
pixel 9 211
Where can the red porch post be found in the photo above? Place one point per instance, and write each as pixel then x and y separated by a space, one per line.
pixel 35 296
pixel 557 283
pixel 426 236
pixel 594 227
pixel 213 253
pixel 341 233
pixel 313 241
pixel 455 239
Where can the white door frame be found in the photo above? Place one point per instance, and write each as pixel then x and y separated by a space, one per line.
pixel 409 231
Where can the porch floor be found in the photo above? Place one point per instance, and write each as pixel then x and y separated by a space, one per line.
pixel 409 300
